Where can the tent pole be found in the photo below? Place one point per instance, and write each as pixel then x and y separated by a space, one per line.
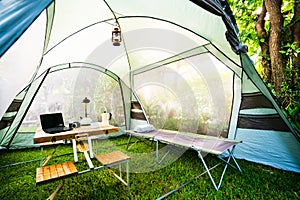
pixel 28 106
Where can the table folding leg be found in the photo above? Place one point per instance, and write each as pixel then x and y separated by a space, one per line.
pixel 90 147
pixel 75 150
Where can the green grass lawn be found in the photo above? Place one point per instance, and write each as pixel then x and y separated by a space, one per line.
pixel 148 179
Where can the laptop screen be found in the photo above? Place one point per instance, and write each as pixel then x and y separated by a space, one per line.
pixel 51 120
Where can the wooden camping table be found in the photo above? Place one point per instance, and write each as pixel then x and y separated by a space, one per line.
pixel 46 174
pixel 42 137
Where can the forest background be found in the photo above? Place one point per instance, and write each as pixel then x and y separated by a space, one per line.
pixel 271 30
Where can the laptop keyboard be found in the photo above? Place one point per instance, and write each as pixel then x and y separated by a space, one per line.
pixel 57 129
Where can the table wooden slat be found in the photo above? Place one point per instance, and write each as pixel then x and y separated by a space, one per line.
pixel 42 137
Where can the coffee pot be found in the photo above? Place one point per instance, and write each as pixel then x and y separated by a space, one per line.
pixel 105 118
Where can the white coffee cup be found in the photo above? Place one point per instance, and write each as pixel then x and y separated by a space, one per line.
pixel 95 124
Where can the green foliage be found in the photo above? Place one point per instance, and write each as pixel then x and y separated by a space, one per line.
pixel 255 182
pixel 246 14
pixel 290 90
pixel 171 124
pixel 290 50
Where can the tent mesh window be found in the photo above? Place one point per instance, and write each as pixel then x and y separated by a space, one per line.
pixel 182 95
pixel 64 92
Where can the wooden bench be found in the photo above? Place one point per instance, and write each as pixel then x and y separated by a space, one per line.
pixel 55 172
pixel 112 158
pixel 116 158
pixel 47 174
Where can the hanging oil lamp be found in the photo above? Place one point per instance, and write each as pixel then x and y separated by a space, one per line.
pixel 116 35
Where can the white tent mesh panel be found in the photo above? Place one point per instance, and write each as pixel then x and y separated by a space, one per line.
pixel 188 95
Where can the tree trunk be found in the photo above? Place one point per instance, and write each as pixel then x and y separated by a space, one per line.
pixel 274 9
pixel 264 43
pixel 296 37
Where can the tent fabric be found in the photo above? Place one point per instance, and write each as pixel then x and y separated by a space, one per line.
pixel 16 22
pixel 179 66
pixel 231 34
pixel 273 145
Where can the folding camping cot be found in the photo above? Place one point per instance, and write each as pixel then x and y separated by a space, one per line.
pixel 203 144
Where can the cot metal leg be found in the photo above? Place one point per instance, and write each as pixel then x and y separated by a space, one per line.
pixel 236 165
pixel 223 173
pixel 128 146
pixel 227 162
pixel 156 150
pixel 128 142
pixel 156 153
pixel 207 170
pixel 233 158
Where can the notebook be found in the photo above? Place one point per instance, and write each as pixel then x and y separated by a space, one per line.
pixel 53 123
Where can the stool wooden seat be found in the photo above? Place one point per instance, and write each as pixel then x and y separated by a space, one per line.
pixel 112 158
pixel 82 146
pixel 82 142
pixel 116 158
pixel 50 173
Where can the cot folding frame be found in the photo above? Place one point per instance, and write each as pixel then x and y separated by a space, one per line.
pixel 217 146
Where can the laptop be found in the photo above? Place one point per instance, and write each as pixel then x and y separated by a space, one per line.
pixel 53 123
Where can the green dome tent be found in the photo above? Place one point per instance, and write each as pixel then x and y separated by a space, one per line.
pixel 177 65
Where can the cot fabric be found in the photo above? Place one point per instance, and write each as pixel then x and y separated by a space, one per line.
pixel 209 144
